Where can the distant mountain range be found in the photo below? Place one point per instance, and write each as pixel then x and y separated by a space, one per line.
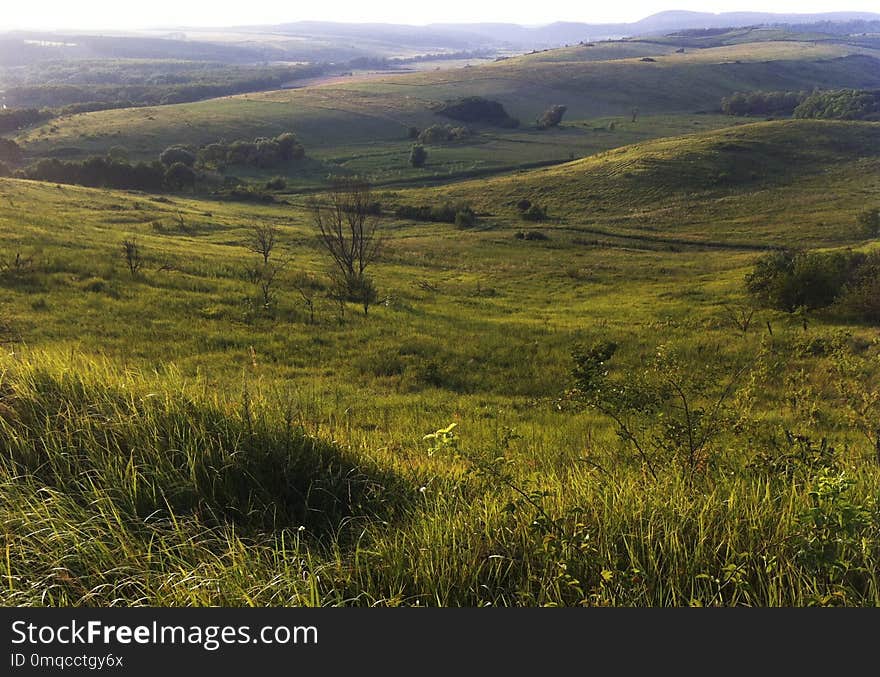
pixel 559 33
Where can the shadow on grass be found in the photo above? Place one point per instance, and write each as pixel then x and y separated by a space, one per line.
pixel 166 455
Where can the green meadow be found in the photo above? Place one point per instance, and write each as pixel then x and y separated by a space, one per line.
pixel 171 439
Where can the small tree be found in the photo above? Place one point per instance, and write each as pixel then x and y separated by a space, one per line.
pixel 265 277
pixel 418 156
pixel 132 253
pixel 10 151
pixel 869 222
pixel 175 154
pixel 551 117
pixel 348 230
pixel 262 240
pixel 178 176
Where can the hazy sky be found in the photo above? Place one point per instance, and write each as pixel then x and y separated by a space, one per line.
pixel 69 14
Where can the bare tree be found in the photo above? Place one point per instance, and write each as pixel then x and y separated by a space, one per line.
pixel 740 316
pixel 132 253
pixel 265 277
pixel 348 229
pixel 262 240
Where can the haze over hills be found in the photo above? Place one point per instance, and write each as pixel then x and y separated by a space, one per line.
pixel 339 41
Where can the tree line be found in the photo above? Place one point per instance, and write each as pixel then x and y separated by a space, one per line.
pixel 837 104
pixel 177 168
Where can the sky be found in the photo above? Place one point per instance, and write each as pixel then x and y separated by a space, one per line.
pixel 120 14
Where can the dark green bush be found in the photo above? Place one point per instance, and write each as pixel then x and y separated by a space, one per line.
pixel 460 214
pixel 476 109
pixel 869 222
pixel 443 134
pixel 535 213
pixel 175 154
pixel 418 156
pixel 762 103
pixel 551 117
pixel 841 104
pixel 848 281
pixel 531 235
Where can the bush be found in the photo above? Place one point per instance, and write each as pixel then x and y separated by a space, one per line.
pixel 535 213
pixel 476 109
pixel 841 104
pixel 465 217
pixel 788 280
pixel 418 156
pixel 443 133
pixel 460 214
pixel 276 183
pixel 869 222
pixel 264 153
pixel 177 154
pixel 179 177
pixel 13 119
pixel 762 103
pixel 9 151
pixel 531 235
pixel 100 172
pixel 551 117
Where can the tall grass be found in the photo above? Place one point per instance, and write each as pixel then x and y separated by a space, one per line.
pixel 123 490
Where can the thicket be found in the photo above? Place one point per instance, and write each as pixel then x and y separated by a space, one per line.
pixel 103 172
pixel 443 134
pixel 9 151
pixel 12 119
pixel 263 153
pixel 841 104
pixel 762 103
pixel 461 214
pixel 551 117
pixel 476 109
pixel 846 283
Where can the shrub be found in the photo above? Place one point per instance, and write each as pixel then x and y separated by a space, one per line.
pixel 465 217
pixel 762 103
pixel 276 183
pixel 12 119
pixel 9 151
pixel 99 172
pixel 788 280
pixel 478 110
pixel 436 134
pixel 447 213
pixel 860 299
pixel 264 153
pixel 177 154
pixel 535 213
pixel 551 117
pixel 841 104
pixel 180 176
pixel 848 281
pixel 418 156
pixel 869 222
pixel 531 235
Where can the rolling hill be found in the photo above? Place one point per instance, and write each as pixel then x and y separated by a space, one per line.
pixel 343 121
pixel 730 186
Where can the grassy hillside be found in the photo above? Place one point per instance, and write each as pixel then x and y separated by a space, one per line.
pixel 732 185
pixel 169 442
pixel 362 126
